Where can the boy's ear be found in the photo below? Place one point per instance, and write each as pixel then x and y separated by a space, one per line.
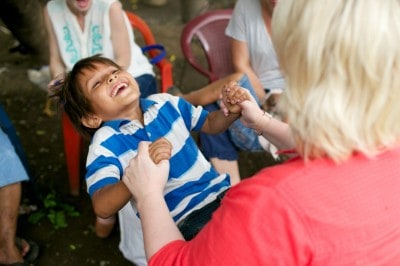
pixel 91 121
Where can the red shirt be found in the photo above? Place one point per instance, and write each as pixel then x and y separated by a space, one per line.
pixel 296 213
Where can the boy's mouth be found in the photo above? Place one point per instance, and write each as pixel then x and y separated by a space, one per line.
pixel 118 88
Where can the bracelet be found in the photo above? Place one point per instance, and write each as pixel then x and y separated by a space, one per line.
pixel 260 132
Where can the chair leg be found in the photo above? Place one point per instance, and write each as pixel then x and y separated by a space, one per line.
pixel 72 149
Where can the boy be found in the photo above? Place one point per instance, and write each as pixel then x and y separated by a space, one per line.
pixel 102 101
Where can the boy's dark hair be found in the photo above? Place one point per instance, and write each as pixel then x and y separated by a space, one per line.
pixel 68 92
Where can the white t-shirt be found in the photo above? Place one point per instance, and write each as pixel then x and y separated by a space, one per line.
pixel 247 25
pixel 75 44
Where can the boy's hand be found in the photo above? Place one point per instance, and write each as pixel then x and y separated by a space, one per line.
pixel 160 149
pixel 232 94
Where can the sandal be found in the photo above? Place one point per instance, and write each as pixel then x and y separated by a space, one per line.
pixel 33 251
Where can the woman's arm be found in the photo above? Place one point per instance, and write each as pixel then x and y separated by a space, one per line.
pixel 274 130
pixel 146 183
pixel 241 63
pixel 56 64
pixel 119 36
pixel 238 100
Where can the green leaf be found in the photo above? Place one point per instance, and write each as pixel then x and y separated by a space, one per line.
pixel 35 217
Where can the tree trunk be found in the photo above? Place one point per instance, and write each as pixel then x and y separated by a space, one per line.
pixel 24 18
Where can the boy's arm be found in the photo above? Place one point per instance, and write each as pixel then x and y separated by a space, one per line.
pixel 218 122
pixel 108 200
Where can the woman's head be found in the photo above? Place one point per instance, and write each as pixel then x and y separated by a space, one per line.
pixel 70 93
pixel 341 62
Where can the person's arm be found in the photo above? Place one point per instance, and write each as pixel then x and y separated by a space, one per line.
pixel 218 122
pixel 241 63
pixel 108 200
pixel 236 99
pixel 146 183
pixel 211 92
pixel 276 131
pixel 119 36
pixel 56 64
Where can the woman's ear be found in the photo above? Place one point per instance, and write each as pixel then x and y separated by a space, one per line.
pixel 91 121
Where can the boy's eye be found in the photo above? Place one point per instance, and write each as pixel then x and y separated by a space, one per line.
pixel 96 84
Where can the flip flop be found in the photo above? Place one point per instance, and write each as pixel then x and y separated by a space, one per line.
pixel 33 251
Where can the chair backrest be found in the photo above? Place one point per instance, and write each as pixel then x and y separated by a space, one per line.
pixel 164 66
pixel 209 29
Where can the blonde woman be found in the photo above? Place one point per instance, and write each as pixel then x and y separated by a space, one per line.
pixel 337 203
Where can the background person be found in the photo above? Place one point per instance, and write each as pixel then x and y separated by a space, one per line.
pixel 12 248
pixel 254 55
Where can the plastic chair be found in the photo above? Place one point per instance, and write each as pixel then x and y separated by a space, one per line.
pixel 73 141
pixel 209 29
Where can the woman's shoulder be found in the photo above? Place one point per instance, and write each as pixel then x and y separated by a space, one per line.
pixel 55 5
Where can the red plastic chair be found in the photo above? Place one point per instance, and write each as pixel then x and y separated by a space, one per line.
pixel 209 29
pixel 73 141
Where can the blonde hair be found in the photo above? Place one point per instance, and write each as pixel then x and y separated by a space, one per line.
pixel 341 61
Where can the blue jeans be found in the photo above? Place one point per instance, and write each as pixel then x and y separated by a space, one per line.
pixel 226 145
pixel 147 84
pixel 11 169
pixel 191 225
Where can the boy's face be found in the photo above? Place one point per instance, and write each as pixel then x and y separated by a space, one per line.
pixel 112 93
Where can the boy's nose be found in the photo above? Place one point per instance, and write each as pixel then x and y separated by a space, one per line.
pixel 112 78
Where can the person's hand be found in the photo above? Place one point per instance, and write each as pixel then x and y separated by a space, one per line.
pixel 143 177
pixel 232 94
pixel 160 149
pixel 252 114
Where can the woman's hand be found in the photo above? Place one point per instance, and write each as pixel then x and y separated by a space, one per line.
pixel 143 177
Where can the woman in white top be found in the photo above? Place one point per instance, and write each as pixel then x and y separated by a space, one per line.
pixel 254 55
pixel 78 29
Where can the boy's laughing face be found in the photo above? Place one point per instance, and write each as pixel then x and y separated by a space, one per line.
pixel 112 92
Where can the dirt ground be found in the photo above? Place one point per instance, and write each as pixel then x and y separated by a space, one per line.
pixel 76 244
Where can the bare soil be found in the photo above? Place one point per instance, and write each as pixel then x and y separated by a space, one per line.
pixel 41 138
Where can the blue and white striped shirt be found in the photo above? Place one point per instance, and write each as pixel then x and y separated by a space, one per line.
pixel 192 181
